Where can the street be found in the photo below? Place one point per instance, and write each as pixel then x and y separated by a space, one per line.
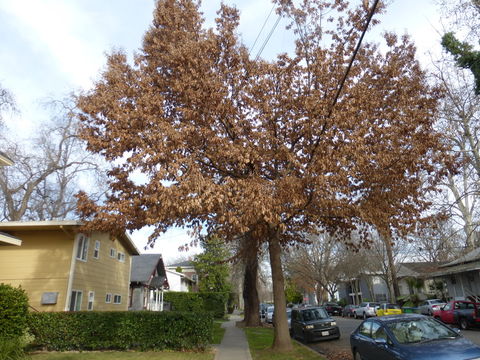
pixel 348 325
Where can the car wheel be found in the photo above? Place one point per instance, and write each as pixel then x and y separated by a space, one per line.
pixel 364 316
pixel 357 356
pixel 463 324
pixel 430 312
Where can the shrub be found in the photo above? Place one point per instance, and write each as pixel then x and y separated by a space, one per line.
pixel 142 330
pixel 198 302
pixel 13 311
pixel 11 349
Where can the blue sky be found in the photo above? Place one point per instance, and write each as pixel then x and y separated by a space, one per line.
pixel 53 47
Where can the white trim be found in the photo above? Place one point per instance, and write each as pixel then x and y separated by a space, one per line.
pixel 84 250
pixel 117 303
pixel 95 249
pixel 107 296
pixel 114 256
pixel 72 273
pixel 121 256
pixel 40 223
pixel 9 240
pixel 92 294
pixel 81 299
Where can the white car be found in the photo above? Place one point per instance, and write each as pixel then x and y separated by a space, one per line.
pixel 429 306
pixel 269 317
pixel 366 309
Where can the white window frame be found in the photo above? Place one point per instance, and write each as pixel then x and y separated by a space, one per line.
pixel 96 250
pixel 113 253
pixel 117 297
pixel 91 299
pixel 108 298
pixel 82 248
pixel 120 256
pixel 78 294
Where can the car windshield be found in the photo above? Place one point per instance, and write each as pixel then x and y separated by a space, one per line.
pixel 436 302
pixel 392 306
pixel 270 309
pixel 420 330
pixel 314 314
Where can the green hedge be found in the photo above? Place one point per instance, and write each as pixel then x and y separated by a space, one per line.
pixel 13 311
pixel 141 330
pixel 198 302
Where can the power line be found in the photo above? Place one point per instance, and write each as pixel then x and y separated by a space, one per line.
pixel 268 38
pixel 263 26
pixel 337 95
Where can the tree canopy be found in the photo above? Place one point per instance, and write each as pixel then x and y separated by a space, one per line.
pixel 236 145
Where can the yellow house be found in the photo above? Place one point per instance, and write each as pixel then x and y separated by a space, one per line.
pixel 62 269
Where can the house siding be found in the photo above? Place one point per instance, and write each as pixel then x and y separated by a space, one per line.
pixel 103 275
pixel 31 265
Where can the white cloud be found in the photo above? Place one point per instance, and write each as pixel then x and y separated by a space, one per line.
pixel 62 31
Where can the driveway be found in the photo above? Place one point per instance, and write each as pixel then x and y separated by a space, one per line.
pixel 341 347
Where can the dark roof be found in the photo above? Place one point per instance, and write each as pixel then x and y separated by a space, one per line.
pixel 416 269
pixel 144 266
pixel 183 263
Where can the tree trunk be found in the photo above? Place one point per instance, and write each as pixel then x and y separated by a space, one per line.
pixel 391 268
pixel 250 293
pixel 281 341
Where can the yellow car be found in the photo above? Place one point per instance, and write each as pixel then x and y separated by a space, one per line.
pixel 388 309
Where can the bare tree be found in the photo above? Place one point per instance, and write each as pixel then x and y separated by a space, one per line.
pixel 317 265
pixel 47 172
pixel 459 123
pixel 7 102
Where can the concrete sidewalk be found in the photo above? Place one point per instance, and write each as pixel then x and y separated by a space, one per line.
pixel 234 345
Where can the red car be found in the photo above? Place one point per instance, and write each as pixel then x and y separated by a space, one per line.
pixel 459 312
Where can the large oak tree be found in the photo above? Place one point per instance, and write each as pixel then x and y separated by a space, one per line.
pixel 239 145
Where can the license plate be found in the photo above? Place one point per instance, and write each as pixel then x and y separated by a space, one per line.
pixel 325 333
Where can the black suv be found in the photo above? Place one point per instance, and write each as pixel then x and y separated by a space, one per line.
pixel 313 324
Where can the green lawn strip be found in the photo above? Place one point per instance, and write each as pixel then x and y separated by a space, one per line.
pixel 218 332
pixel 260 341
pixel 127 355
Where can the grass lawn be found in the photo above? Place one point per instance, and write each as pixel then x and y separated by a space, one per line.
pixel 218 332
pixel 260 341
pixel 114 355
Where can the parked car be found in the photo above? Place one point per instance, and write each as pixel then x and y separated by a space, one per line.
pixel 348 310
pixel 269 316
pixel 386 309
pixel 313 324
pixel 365 309
pixel 409 337
pixel 429 306
pixel 333 308
pixel 458 312
pixel 263 311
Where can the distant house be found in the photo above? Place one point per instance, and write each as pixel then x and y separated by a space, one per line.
pixel 147 282
pixel 416 270
pixel 461 276
pixel 5 160
pixel 6 239
pixel 62 269
pixel 365 287
pixel 182 276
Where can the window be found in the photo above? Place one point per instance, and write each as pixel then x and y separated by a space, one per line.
pixel 82 247
pixel 121 256
pixel 96 250
pixel 117 299
pixel 365 328
pixel 108 298
pixel 91 297
pixel 113 252
pixel 378 332
pixel 75 300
